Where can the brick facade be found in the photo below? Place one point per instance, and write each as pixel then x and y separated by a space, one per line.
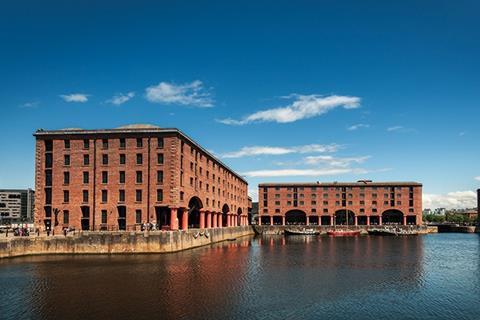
pixel 363 202
pixel 166 179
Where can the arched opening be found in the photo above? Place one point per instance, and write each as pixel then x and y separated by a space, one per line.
pixel 392 216
pixel 194 206
pixel 295 217
pixel 313 220
pixel 225 210
pixel 122 217
pixel 344 217
pixel 239 216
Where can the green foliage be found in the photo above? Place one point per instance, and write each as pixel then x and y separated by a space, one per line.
pixel 436 218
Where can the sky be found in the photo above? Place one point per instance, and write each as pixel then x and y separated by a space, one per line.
pixel 278 90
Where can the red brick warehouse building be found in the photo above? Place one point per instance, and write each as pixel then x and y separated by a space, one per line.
pixel 118 179
pixel 340 203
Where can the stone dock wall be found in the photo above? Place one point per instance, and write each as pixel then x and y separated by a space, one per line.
pixel 119 242
pixel 278 229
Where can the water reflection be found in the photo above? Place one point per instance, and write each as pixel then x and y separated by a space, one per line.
pixel 263 278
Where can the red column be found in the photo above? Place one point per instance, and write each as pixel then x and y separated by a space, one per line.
pixel 202 219
pixel 404 220
pixel 259 220
pixel 355 220
pixel 308 220
pixel 379 220
pixel 368 220
pixel 219 217
pixel 214 220
pixel 283 220
pixel 271 220
pixel 184 219
pixel 173 219
pixel 209 220
pixel 332 220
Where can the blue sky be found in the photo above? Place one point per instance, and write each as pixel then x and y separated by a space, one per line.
pixel 280 90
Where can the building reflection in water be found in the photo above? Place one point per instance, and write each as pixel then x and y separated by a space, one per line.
pixel 245 278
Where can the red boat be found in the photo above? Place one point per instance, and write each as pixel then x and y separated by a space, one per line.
pixel 343 233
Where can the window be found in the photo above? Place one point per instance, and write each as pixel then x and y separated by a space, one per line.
pixel 138 195
pixel 104 216
pixel 104 176
pixel 314 203
pixel 121 195
pixel 66 196
pixel 182 195
pixel 160 177
pixel 139 158
pixel 277 203
pixel 48 196
pixel 66 177
pixel 160 143
pixel 86 159
pixel 138 216
pixel 66 159
pixel 139 142
pixel 104 196
pixel 160 195
pixel 48 178
pixel 85 177
pixel 48 160
pixel 105 144
pixel 160 158
pixel 191 181
pixel 86 144
pixel 85 195
pixel 66 144
pixel 123 158
pixel 104 159
pixel 325 203
pixel 122 143
pixel 66 217
pixel 121 177
pixel 139 177
pixel 48 145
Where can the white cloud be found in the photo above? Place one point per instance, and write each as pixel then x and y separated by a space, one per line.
pixel 461 134
pixel 358 126
pixel 303 107
pixel 394 128
pixel 120 98
pixel 334 161
pixel 75 97
pixel 451 200
pixel 477 178
pixel 253 193
pixel 303 172
pixel 32 104
pixel 267 150
pixel 189 94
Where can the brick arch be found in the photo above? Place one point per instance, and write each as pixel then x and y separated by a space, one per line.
pixel 344 217
pixel 296 217
pixel 392 216
pixel 194 206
